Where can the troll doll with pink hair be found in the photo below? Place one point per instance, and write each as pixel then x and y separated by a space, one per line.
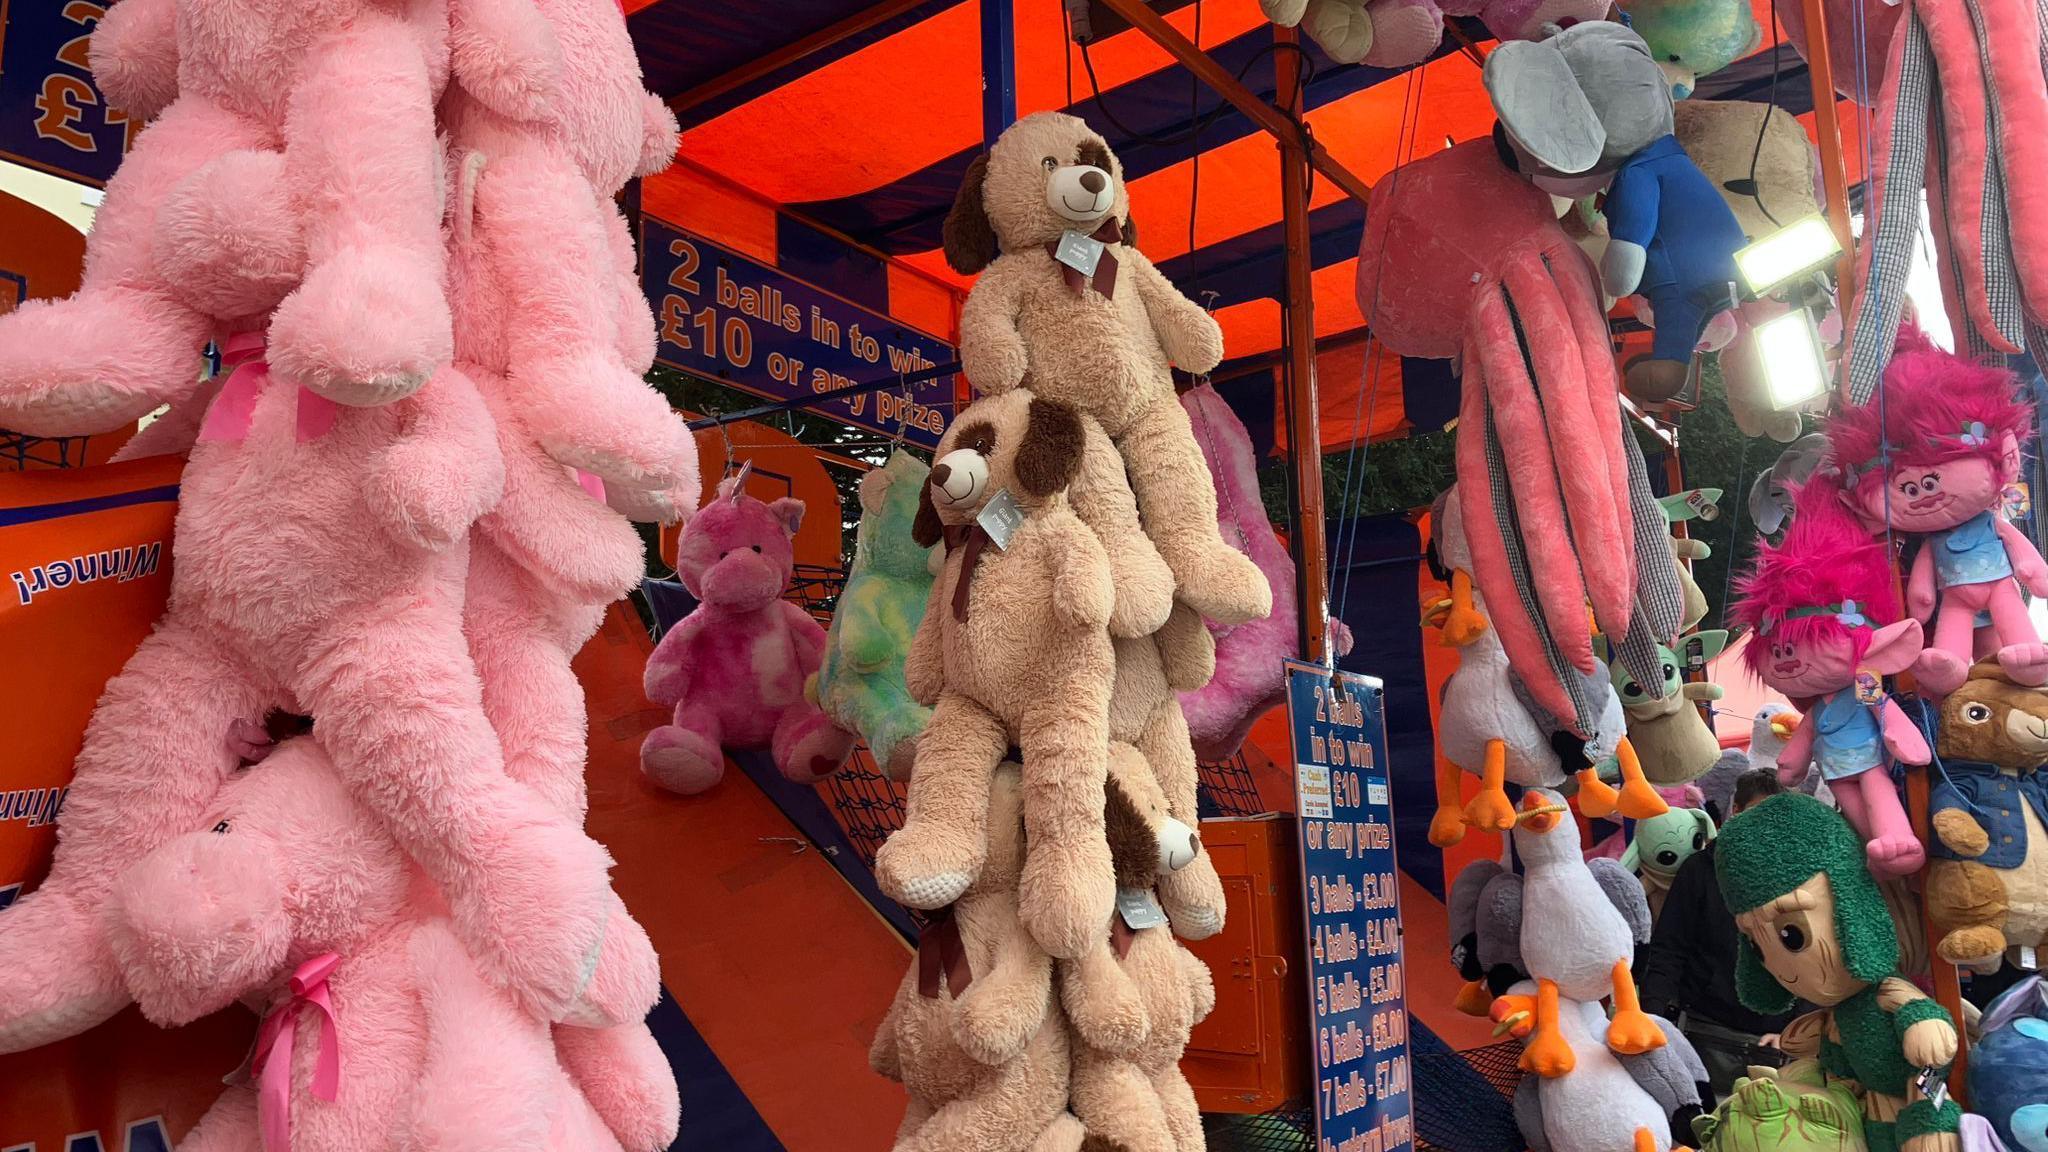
pixel 1827 631
pixel 1932 455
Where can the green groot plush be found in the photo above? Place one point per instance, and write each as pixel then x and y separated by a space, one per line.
pixel 1792 1109
pixel 1816 928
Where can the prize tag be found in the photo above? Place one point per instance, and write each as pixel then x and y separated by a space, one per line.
pixel 1458 955
pixel 1000 517
pixel 1933 1086
pixel 2029 959
pixel 1079 251
pixel 1139 908
pixel 1869 687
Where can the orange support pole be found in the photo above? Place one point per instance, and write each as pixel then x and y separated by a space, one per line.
pixel 1304 433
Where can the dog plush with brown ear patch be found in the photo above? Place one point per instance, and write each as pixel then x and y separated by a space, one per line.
pixel 1014 650
pixel 1047 202
pixel 1136 994
pixel 975 1035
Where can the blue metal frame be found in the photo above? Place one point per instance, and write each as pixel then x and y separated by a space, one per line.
pixel 998 68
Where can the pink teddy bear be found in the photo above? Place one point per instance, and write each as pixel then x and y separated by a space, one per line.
pixel 734 669
pixel 1932 455
pixel 1827 632
pixel 379 1032
pixel 335 100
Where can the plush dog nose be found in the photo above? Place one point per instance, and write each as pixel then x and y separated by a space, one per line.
pixel 1093 181
pixel 940 472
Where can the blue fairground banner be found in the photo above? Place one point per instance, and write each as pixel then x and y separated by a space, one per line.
pixel 1352 899
pixel 51 116
pixel 743 323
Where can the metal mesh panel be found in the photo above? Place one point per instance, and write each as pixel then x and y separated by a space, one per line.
pixel 1450 1116
pixel 1227 788
pixel 19 453
pixel 1288 1128
pixel 868 804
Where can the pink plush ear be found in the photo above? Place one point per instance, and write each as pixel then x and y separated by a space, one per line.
pixel 790 511
pixel 874 488
pixel 1893 648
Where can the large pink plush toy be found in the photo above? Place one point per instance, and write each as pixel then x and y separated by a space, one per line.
pixel 1932 455
pixel 1827 631
pixel 734 669
pixel 334 99
pixel 1249 678
pixel 380 1033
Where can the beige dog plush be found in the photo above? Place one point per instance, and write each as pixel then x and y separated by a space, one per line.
pixel 974 1034
pixel 1015 651
pixel 1065 296
pixel 1134 996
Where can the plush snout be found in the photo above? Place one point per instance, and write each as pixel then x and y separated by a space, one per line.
pixel 198 923
pixel 1178 845
pixel 742 578
pixel 960 479
pixel 1081 193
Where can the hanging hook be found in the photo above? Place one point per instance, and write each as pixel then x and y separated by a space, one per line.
pixel 902 414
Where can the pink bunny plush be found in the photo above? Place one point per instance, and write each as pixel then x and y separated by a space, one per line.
pixel 734 669
pixel 344 91
pixel 379 1031
pixel 1827 631
pixel 1932 455
pixel 1249 678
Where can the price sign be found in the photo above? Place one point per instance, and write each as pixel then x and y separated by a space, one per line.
pixel 1351 894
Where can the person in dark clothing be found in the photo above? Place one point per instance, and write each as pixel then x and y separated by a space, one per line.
pixel 1688 970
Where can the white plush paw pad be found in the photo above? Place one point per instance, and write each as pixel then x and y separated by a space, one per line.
pixel 1196 923
pixel 927 892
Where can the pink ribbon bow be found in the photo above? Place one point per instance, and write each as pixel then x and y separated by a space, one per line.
pixel 274 1040
pixel 230 415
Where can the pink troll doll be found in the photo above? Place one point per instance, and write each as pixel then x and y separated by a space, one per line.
pixel 1825 631
pixel 1931 455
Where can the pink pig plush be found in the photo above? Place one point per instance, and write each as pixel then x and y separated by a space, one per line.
pixel 380 1032
pixel 1249 679
pixel 734 669
pixel 1932 455
pixel 1827 630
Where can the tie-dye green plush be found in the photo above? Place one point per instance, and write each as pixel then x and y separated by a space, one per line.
pixel 1789 1111
pixel 860 684
pixel 1694 38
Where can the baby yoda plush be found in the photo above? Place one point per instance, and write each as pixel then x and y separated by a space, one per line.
pixel 1588 109
pixel 1987 888
pixel 1671 739
pixel 860 685
pixel 1679 507
pixel 1661 845
pixel 1816 927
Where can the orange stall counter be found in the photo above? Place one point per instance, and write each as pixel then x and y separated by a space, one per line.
pixel 1251 1055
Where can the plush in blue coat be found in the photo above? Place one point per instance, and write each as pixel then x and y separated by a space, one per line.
pixel 1661 202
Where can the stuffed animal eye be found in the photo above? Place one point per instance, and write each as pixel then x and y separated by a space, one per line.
pixel 1792 937
pixel 1976 713
pixel 1667 857
pixel 1930 482
pixel 1910 488
pixel 1673 57
pixel 1633 690
pixel 757 548
pixel 1050 163
pixel 1699 841
pixel 1670 673
pixel 221 828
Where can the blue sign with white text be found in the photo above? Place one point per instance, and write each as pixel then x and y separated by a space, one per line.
pixel 51 115
pixel 1351 883
pixel 728 318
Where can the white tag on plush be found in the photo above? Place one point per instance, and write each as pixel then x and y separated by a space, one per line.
pixel 1079 251
pixel 2029 959
pixel 1139 908
pixel 1000 518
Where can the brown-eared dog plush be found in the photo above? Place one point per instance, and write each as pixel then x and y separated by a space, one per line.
pixel 1987 887
pixel 1127 1088
pixel 1014 651
pixel 975 1035
pixel 1102 343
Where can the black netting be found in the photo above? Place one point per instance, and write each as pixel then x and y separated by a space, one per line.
pixel 1464 1099
pixel 1288 1128
pixel 18 452
pixel 869 805
pixel 1227 788
pixel 815 588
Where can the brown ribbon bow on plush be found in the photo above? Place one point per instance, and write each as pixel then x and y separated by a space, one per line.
pixel 1121 935
pixel 974 538
pixel 941 953
pixel 1105 269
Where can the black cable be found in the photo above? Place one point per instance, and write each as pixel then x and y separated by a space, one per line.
pixel 1749 187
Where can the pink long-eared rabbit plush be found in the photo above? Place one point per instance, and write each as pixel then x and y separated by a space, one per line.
pixel 335 99
pixel 287 894
pixel 734 669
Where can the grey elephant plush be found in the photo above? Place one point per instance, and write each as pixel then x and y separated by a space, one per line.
pixel 1588 109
